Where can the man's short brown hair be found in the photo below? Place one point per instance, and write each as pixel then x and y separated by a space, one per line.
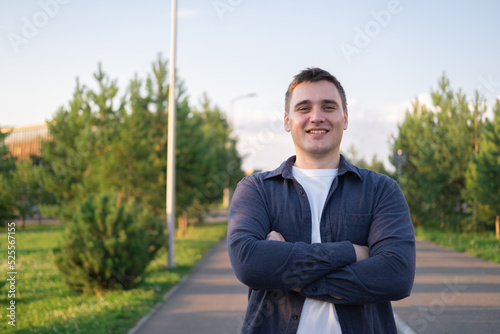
pixel 313 75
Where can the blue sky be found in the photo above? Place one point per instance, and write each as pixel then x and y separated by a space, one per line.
pixel 385 53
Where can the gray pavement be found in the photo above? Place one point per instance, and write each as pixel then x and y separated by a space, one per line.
pixel 210 300
pixel 453 293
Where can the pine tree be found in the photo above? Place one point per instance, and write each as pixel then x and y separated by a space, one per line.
pixel 7 161
pixel 108 245
pixel 102 142
pixel 79 135
pixel 439 142
pixel 215 163
pixel 7 166
pixel 127 164
pixel 484 181
pixel 24 190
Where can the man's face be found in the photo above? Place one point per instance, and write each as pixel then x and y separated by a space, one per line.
pixel 316 119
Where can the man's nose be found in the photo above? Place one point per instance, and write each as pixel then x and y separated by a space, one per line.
pixel 317 115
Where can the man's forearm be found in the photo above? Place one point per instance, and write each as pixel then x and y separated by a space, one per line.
pixel 382 277
pixel 362 253
pixel 272 265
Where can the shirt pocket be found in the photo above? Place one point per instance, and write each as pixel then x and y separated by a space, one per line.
pixel 358 227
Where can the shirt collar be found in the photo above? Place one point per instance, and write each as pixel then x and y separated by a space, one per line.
pixel 285 169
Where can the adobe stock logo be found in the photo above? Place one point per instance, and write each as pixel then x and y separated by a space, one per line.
pixel 372 29
pixel 488 86
pixel 32 26
pixel 223 6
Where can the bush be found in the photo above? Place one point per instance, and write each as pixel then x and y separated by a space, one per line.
pixel 107 245
pixel 7 208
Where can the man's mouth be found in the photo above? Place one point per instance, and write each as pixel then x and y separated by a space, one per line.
pixel 316 131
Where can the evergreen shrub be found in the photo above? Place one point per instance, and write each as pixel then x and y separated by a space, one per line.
pixel 108 245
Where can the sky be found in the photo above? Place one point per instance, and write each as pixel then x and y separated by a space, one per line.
pixel 386 53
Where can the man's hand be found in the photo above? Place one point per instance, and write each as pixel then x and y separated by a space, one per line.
pixel 361 252
pixel 276 236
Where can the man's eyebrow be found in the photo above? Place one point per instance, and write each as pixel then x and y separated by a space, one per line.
pixel 330 102
pixel 301 103
pixel 324 101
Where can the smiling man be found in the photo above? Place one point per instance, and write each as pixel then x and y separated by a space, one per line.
pixel 322 245
pixel 316 121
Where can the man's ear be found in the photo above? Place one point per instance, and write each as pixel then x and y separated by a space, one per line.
pixel 286 122
pixel 346 119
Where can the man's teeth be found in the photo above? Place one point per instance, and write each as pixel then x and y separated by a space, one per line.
pixel 317 131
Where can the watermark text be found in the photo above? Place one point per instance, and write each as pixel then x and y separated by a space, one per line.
pixel 11 273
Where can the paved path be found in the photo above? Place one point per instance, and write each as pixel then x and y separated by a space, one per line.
pixel 209 301
pixel 453 293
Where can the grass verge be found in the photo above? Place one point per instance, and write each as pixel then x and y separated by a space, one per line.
pixel 45 305
pixel 482 245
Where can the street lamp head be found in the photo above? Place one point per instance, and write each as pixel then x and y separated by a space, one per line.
pixel 399 158
pixel 243 97
pixel 230 111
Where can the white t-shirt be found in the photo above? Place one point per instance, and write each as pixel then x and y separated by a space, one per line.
pixel 317 317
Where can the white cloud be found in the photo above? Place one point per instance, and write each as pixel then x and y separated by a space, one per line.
pixel 393 113
pixel 425 98
pixel 351 103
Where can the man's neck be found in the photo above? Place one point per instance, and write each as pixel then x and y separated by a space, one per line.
pixel 308 162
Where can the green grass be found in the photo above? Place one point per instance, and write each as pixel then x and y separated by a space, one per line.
pixel 45 305
pixel 482 245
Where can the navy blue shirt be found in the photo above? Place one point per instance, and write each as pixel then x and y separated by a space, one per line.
pixel 362 207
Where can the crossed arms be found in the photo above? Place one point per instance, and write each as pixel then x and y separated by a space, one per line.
pixel 361 251
pixel 324 270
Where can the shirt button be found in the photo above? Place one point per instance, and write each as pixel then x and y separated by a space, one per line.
pixel 314 289
pixel 307 220
pixel 295 317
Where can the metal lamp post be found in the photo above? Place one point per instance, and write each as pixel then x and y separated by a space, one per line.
pixel 170 198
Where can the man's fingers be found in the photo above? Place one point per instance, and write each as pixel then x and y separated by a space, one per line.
pixel 275 236
pixel 362 252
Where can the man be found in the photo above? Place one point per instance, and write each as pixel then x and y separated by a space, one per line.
pixel 323 245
